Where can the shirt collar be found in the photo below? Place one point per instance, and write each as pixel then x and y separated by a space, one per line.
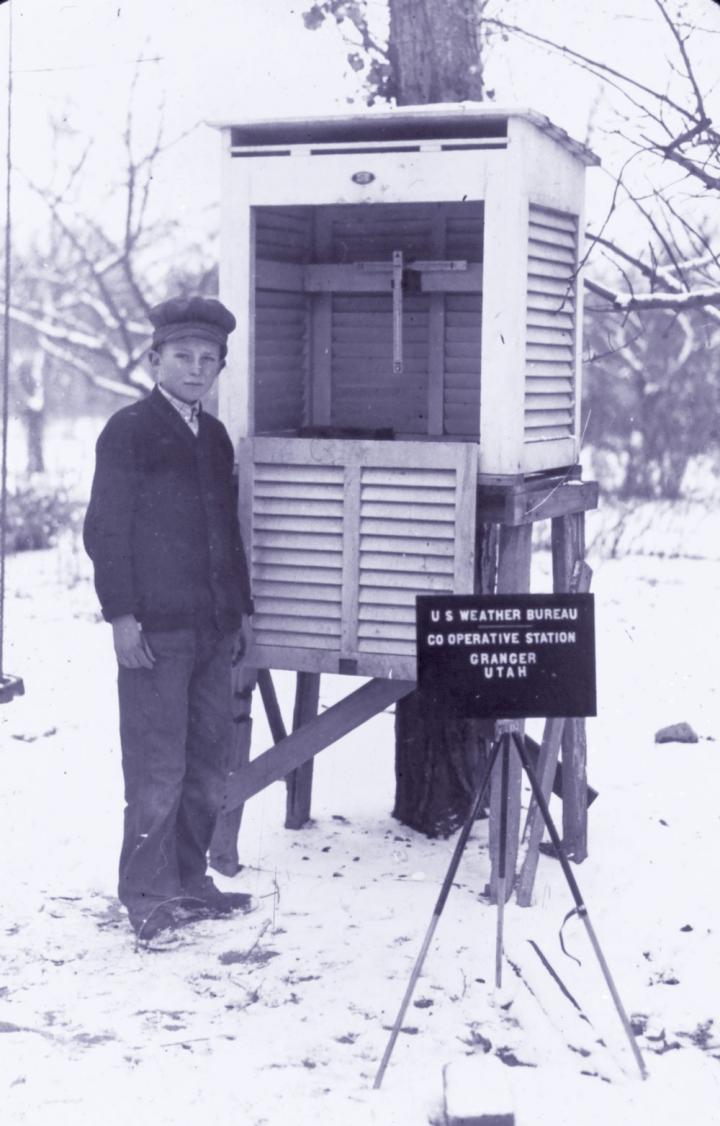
pixel 189 411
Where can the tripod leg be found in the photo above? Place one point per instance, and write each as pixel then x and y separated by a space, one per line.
pixel 437 911
pixel 581 908
pixel 502 859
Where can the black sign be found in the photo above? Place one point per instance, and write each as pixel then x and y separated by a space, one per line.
pixel 507 656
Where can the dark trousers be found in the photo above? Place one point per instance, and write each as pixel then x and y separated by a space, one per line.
pixel 176 733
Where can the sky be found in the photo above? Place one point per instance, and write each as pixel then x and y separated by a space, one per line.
pixel 207 61
pixel 223 59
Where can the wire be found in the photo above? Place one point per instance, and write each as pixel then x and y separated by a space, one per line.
pixel 564 477
pixel 88 66
pixel 6 356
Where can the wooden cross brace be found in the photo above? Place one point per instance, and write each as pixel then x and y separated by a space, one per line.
pixel 301 745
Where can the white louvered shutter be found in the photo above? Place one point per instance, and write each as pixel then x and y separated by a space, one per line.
pixel 550 331
pixel 282 235
pixel 342 536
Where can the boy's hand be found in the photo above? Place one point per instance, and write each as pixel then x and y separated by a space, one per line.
pixel 242 640
pixel 131 648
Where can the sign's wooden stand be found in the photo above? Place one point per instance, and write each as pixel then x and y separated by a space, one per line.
pixel 508 739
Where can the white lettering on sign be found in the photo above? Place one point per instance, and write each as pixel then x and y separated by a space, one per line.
pixel 493 615
pixel 561 637
pixel 491 648
pixel 483 638
pixel 508 673
pixel 468 649
pixel 506 666
pixel 552 614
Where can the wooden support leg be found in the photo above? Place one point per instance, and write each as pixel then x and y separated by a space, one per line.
pixel 270 703
pixel 487 537
pixel 574 766
pixel 299 783
pixel 486 558
pixel 224 856
pixel 326 728
pixel 514 559
pixel 547 762
pixel 568 551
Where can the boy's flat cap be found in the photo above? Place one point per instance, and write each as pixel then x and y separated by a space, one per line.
pixel 191 316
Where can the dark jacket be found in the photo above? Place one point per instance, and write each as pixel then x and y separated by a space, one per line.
pixel 161 527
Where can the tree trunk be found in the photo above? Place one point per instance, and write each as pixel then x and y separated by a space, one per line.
pixel 438 761
pixel 638 483
pixel 31 379
pixel 35 438
pixel 434 51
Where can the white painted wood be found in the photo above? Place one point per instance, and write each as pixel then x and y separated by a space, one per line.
pixel 579 307
pixel 555 179
pixel 351 553
pixel 503 329
pixel 235 393
pixel 334 278
pixel 467 470
pixel 550 402
pixel 345 590
pixel 398 666
pixel 422 177
pixel 280 275
pixel 551 174
pixel 538 166
pixel 550 453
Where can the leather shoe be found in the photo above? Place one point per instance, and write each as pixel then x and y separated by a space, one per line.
pixel 150 920
pixel 206 894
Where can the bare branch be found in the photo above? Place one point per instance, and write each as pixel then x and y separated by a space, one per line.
pixel 597 67
pixel 694 167
pixel 673 302
pixel 73 361
pixel 88 262
pixel 697 129
pixel 41 321
pixel 596 357
pixel 685 57
pixel 631 259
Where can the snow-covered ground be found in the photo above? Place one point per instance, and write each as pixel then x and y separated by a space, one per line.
pixel 282 1016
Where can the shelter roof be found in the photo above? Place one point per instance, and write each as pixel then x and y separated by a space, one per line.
pixel 445 121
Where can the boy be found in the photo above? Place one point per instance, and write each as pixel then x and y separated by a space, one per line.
pixel 171 576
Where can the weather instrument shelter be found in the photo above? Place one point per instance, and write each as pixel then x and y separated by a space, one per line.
pixel 405 370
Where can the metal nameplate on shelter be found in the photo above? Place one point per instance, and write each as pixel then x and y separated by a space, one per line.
pixel 507 656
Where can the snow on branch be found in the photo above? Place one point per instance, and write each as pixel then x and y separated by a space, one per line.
pixel 678 268
pixel 84 290
pixel 672 301
pixel 72 361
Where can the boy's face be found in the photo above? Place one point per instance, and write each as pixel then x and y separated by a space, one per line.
pixel 187 367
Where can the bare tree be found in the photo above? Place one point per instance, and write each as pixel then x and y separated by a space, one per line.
pixel 77 290
pixel 84 289
pixel 652 391
pixel 653 314
pixel 414 51
pixel 668 173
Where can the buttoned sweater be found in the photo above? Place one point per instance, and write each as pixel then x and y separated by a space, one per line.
pixel 161 527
